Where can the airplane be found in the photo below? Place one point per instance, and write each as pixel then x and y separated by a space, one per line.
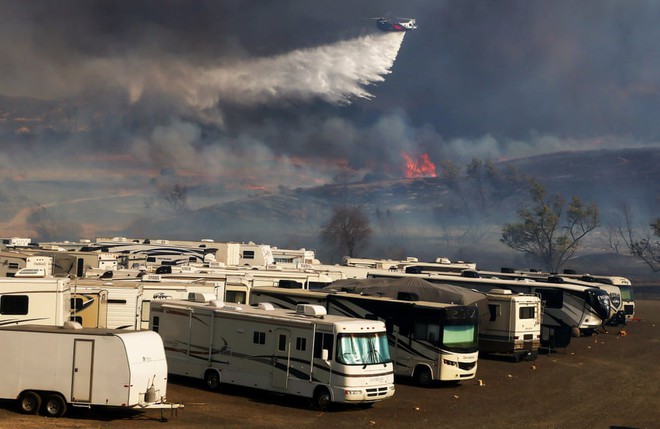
pixel 396 24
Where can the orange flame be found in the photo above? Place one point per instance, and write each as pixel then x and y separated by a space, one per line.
pixel 418 168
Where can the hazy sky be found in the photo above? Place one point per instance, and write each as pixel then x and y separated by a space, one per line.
pixel 261 94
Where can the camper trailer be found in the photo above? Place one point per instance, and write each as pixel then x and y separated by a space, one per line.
pixel 428 341
pixel 303 352
pixel 49 368
pixel 30 297
pixel 90 308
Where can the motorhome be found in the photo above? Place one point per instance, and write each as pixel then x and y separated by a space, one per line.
pixel 428 341
pixel 617 312
pixel 50 369
pixel 514 325
pixel 31 297
pixel 508 323
pixel 304 352
pixel 566 308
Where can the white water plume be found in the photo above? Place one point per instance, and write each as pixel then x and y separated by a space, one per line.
pixel 336 73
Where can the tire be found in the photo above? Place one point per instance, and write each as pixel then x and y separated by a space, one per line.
pixel 322 399
pixel 212 379
pixel 29 402
pixel 423 376
pixel 54 406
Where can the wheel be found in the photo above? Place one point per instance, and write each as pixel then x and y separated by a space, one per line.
pixel 423 376
pixel 322 399
pixel 54 406
pixel 212 379
pixel 30 402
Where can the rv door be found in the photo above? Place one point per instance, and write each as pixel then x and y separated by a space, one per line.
pixel 281 358
pixel 83 359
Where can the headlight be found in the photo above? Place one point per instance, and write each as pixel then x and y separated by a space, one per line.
pixel 449 362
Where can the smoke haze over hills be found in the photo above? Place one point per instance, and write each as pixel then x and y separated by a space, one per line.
pixel 105 101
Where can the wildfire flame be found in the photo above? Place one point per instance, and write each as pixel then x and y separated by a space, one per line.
pixel 423 167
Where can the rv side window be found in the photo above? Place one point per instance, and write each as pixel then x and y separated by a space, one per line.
pixel 117 301
pixel 494 311
pixel 13 265
pixel 527 312
pixel 552 298
pixel 281 345
pixel 76 304
pixel 259 337
pixel 14 304
pixel 248 254
pixel 155 324
pixel 322 341
pixel 301 343
pixel 428 332
pixel 235 296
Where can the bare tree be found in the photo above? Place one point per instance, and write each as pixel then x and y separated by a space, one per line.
pixel 540 234
pixel 347 229
pixel 642 244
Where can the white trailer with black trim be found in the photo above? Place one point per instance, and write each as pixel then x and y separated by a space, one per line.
pixel 49 368
pixel 302 352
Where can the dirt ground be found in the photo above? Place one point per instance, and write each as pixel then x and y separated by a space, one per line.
pixel 608 380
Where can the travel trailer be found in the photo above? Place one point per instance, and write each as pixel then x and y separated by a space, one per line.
pixel 304 352
pixel 90 308
pixel 124 301
pixel 428 341
pixel 30 297
pixel 11 262
pixel 49 368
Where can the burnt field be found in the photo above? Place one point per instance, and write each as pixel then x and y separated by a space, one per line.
pixel 609 380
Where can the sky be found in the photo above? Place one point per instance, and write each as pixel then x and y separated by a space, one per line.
pixel 260 95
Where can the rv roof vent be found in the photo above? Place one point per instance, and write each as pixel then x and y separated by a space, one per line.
pixel 70 324
pixel 151 278
pixel 208 240
pixel 30 272
pixel 161 295
pixel 501 291
pixel 201 297
pixel 411 259
pixel 442 261
pixel 266 306
pixel 216 303
pixel 233 307
pixel 311 310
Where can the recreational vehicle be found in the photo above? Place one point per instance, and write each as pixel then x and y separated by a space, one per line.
pixel 566 308
pixel 303 353
pixel 428 341
pixel 509 323
pixel 49 368
pixel 514 325
pixel 90 308
pixel 35 300
pixel 11 262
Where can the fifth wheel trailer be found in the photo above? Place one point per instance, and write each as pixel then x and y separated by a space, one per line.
pixel 48 368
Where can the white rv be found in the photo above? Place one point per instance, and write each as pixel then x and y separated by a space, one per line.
pixel 35 300
pixel 303 353
pixel 514 326
pixel 124 301
pixel 428 340
pixel 49 368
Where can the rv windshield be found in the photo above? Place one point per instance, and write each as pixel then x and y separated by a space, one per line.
pixel 460 337
pixel 362 349
pixel 626 293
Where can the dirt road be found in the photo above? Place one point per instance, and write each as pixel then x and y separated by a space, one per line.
pixel 605 381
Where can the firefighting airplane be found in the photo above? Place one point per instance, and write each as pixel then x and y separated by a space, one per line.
pixel 396 24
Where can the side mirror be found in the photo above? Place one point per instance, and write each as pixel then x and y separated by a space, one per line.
pixel 324 354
